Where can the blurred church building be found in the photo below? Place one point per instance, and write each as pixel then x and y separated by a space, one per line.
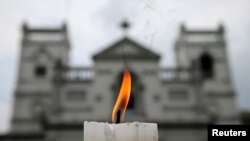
pixel 52 99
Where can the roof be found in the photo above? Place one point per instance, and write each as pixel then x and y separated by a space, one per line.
pixel 126 48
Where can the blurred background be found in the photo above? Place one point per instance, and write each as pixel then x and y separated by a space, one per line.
pixel 89 27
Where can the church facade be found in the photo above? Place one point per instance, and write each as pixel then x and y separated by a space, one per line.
pixel 52 99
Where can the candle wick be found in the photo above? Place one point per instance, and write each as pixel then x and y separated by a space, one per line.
pixel 118 116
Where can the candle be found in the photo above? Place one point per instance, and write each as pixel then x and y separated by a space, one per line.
pixel 135 131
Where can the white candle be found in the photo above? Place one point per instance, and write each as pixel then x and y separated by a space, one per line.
pixel 135 131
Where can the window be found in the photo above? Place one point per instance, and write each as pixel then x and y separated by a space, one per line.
pixel 131 103
pixel 206 65
pixel 76 95
pixel 136 97
pixel 40 71
pixel 134 90
pixel 178 94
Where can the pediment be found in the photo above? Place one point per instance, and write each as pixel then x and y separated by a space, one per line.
pixel 126 48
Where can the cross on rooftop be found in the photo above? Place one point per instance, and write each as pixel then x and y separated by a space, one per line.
pixel 125 25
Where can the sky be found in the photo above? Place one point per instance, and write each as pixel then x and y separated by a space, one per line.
pixel 95 24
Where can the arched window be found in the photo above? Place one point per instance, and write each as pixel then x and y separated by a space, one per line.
pixel 206 65
pixel 131 104
pixel 135 101
pixel 41 59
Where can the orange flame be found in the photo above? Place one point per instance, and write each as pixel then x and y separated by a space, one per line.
pixel 124 95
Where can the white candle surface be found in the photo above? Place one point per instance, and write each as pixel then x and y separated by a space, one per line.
pixel 134 131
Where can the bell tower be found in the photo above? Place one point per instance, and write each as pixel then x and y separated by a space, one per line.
pixel 206 51
pixel 41 48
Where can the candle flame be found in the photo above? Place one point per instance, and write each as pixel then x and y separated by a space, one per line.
pixel 124 95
